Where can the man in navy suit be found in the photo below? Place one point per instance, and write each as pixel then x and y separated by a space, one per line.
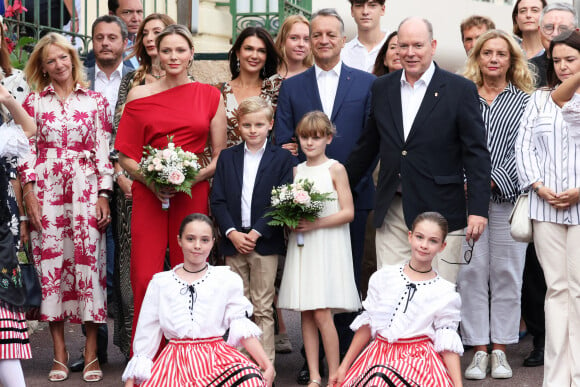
pixel 343 93
pixel 426 126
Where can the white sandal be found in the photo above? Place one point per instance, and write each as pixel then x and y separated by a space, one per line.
pixel 315 381
pixel 88 374
pixel 58 375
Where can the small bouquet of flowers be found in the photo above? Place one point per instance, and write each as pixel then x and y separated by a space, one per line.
pixel 295 201
pixel 171 167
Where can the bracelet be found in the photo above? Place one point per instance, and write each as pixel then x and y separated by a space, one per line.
pixel 23 218
pixel 26 193
pixel 116 175
pixel 104 195
pixel 537 188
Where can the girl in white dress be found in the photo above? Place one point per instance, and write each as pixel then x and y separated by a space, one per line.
pixel 412 314
pixel 318 277
pixel 192 306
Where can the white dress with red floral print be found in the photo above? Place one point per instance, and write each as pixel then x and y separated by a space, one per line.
pixel 69 161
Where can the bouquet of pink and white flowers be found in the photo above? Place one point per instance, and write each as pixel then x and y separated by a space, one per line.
pixel 296 201
pixel 171 167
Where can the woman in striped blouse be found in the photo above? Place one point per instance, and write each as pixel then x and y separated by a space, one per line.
pixel 490 286
pixel 547 153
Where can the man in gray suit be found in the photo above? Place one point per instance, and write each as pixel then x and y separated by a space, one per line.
pixel 109 42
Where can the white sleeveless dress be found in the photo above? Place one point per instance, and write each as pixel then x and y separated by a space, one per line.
pixel 320 274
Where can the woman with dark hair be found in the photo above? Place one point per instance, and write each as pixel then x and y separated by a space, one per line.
pixel 148 72
pixel 526 25
pixel 388 57
pixel 193 114
pixel 547 153
pixel 254 63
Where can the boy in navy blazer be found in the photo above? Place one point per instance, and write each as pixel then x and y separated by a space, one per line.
pixel 242 186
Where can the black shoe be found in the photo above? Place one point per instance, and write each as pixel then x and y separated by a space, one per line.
pixel 535 358
pixel 79 364
pixel 303 375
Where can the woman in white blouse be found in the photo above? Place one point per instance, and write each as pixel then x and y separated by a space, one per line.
pixel 193 306
pixel 547 152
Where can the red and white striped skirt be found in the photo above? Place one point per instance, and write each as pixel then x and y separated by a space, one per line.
pixel 203 363
pixel 408 362
pixel 14 342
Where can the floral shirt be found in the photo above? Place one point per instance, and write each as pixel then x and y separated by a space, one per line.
pixel 270 90
pixel 79 124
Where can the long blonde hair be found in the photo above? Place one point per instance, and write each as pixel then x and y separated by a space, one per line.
pixel 33 70
pixel 283 35
pixel 519 73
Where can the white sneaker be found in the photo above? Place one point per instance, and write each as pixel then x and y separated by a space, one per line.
pixel 500 369
pixel 478 367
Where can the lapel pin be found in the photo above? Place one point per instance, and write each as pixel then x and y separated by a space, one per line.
pixel 436 94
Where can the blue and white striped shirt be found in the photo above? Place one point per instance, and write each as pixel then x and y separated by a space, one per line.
pixel 502 121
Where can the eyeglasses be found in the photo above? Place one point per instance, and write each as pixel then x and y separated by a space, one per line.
pixel 550 28
pixel 466 256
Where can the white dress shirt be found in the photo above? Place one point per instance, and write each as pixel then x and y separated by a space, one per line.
pixel 109 87
pixel 355 54
pixel 251 165
pixel 412 97
pixel 327 86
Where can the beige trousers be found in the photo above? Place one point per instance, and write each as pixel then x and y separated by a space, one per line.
pixel 558 250
pixel 393 246
pixel 259 273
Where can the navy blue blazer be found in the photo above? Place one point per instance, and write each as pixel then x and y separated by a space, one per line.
pixel 226 195
pixel 446 141
pixel 299 95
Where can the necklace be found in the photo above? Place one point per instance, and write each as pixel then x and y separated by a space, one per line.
pixel 158 77
pixel 419 271
pixel 194 272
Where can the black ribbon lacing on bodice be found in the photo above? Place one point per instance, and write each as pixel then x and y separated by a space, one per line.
pixel 192 294
pixel 411 289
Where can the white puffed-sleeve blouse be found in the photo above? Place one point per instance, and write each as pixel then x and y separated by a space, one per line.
pixel 398 308
pixel 177 310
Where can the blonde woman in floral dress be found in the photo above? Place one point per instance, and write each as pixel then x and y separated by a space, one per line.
pixel 67 181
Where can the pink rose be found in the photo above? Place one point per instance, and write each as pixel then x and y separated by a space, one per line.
pixel 176 177
pixel 301 197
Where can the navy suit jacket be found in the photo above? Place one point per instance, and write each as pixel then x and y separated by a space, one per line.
pixel 226 196
pixel 446 141
pixel 299 95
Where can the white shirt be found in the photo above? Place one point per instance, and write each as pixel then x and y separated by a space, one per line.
pixel 109 87
pixel 412 97
pixel 327 85
pixel 218 305
pixel 548 149
pixel 251 165
pixel 355 54
pixel 398 308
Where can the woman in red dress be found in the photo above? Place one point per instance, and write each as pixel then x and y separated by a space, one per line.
pixel 192 113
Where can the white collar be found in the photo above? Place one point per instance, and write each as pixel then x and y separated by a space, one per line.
pixel 261 150
pixel 118 70
pixel 336 69
pixel 426 77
